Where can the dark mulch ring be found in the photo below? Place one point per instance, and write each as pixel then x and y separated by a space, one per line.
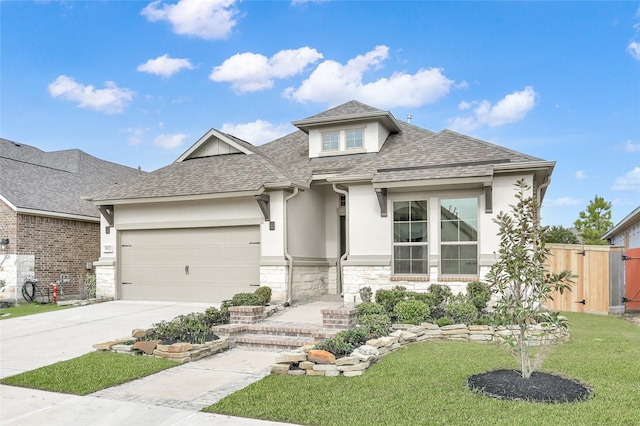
pixel 540 387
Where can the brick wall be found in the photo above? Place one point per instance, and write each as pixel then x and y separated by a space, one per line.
pixel 8 221
pixel 59 246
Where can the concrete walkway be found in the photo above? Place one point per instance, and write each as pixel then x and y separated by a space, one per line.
pixel 173 396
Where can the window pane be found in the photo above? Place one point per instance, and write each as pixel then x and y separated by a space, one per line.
pixel 418 232
pixel 419 210
pixel 403 267
pixel 329 141
pixel 401 232
pixel 449 252
pixel 449 267
pixel 402 252
pixel 449 231
pixel 354 138
pixel 469 252
pixel 418 267
pixel 401 211
pixel 469 267
pixel 418 252
pixel 468 230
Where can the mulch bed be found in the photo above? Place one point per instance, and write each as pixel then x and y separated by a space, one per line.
pixel 540 387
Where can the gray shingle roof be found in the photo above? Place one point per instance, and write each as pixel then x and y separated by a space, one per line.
pixel 54 182
pixel 412 153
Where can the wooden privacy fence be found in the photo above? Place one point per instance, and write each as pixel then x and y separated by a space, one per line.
pixel 599 286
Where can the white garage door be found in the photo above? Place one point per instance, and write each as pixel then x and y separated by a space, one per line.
pixel 191 265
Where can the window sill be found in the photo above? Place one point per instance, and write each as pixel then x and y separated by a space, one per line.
pixel 410 278
pixel 342 152
pixel 460 278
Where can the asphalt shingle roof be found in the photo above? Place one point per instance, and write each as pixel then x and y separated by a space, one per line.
pixel 413 153
pixel 55 181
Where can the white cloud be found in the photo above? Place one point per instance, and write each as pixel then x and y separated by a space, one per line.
pixel 297 2
pixel 580 174
pixel 170 141
pixel 250 72
pixel 109 100
pixel 561 202
pixel 207 19
pixel 332 82
pixel 257 132
pixel 631 147
pixel 165 66
pixel 464 105
pixel 136 135
pixel 634 50
pixel 629 182
pixel 510 109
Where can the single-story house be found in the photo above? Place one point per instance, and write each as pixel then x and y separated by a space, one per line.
pixel 46 229
pixel 627 232
pixel 353 198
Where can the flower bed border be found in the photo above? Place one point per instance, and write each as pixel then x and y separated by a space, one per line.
pixel 309 362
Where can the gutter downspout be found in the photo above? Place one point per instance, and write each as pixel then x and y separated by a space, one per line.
pixel 346 231
pixel 286 246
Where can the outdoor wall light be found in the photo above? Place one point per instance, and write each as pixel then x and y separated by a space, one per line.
pixel 4 243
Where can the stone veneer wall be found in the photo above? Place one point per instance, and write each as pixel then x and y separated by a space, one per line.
pixel 308 281
pixel 379 277
pixel 309 362
pixel 105 279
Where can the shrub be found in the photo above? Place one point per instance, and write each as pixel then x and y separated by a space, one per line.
pixel 390 298
pixel 441 322
pixel 366 294
pixel 375 325
pixel 191 328
pixel 440 293
pixel 246 299
pixel 411 312
pixel 479 294
pixel 90 285
pixel 426 298
pixel 264 293
pixel 213 316
pixel 344 342
pixel 369 308
pixel 460 309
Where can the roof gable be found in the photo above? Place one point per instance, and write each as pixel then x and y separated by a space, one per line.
pixel 214 143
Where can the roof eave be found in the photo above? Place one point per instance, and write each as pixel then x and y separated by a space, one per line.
pixel 622 224
pixel 171 198
pixel 385 117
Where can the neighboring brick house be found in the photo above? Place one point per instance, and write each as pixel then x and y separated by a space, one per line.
pixel 46 228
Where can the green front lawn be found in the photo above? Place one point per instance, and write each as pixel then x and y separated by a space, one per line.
pixel 24 309
pixel 89 373
pixel 426 384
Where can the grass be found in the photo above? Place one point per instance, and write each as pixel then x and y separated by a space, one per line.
pixel 89 373
pixel 23 309
pixel 426 384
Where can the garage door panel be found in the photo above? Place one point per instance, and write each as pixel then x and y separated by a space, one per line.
pixel 204 264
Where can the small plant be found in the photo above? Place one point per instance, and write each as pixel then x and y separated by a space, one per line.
pixel 191 328
pixel 375 325
pixel 522 282
pixel 264 293
pixel 443 321
pixel 390 298
pixel 479 294
pixel 246 299
pixel 411 312
pixel 426 298
pixel 460 309
pixel 366 294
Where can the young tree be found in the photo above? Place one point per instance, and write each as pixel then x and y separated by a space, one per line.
pixel 595 221
pixel 560 235
pixel 523 284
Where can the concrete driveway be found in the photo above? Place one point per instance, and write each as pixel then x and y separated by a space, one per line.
pixel 173 396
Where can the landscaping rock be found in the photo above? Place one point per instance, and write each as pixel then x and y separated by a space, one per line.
pixel 325 367
pixel 347 360
pixel 138 333
pixel 306 365
pixel 297 356
pixel 296 372
pixel 106 346
pixel 321 357
pixel 316 372
pixel 353 373
pixel 146 346
pixel 179 348
pixel 280 368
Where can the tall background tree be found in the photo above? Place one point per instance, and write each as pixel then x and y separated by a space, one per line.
pixel 561 235
pixel 595 221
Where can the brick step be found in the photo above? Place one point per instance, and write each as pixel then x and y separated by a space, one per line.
pixel 290 330
pixel 270 342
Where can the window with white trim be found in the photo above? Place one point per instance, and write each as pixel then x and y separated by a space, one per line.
pixel 354 138
pixel 330 141
pixel 410 243
pixel 459 236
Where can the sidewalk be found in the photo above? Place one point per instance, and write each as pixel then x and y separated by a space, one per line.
pixel 171 397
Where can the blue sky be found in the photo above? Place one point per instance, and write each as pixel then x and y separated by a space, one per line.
pixel 137 82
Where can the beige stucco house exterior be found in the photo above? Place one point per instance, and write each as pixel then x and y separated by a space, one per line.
pixel 353 198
